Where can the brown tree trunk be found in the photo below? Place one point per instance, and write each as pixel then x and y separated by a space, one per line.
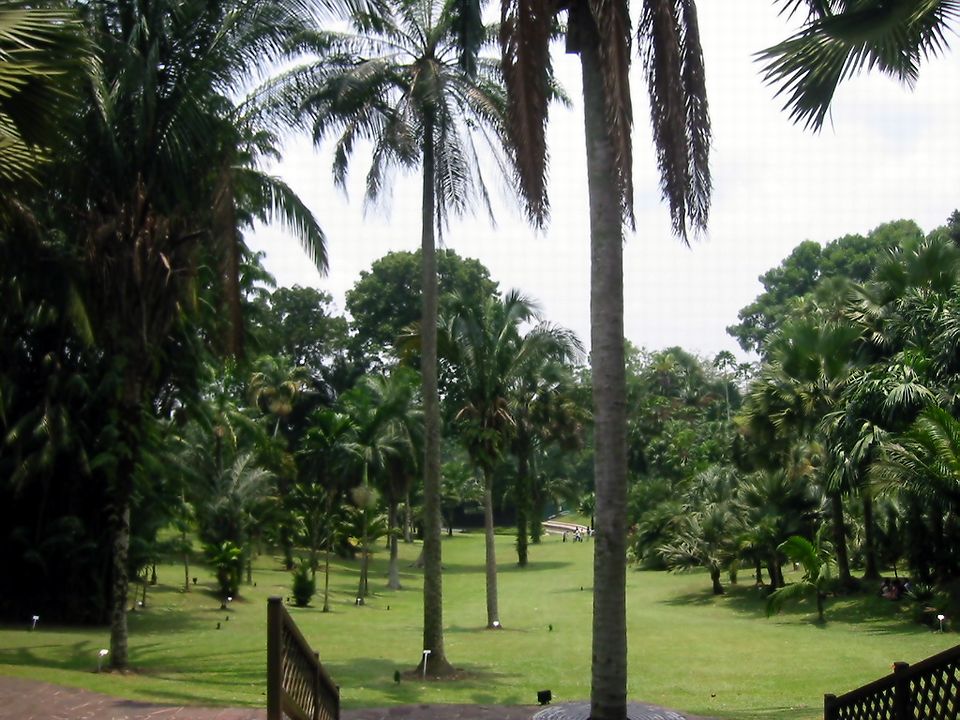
pixel 872 570
pixel 840 539
pixel 432 562
pixel 393 574
pixel 608 691
pixel 715 580
pixel 493 613
pixel 522 501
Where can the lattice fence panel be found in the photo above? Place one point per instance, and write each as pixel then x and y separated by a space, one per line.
pixel 875 706
pixel 298 674
pixel 935 693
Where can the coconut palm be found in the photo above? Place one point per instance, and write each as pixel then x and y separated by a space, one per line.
pixel 842 37
pixel 601 33
pixel 43 55
pixel 488 357
pixel 141 176
pixel 395 80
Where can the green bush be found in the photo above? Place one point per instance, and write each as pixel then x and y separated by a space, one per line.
pixel 227 561
pixel 304 584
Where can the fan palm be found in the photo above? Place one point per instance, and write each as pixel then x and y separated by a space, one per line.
pixel 842 37
pixel 600 32
pixel 395 80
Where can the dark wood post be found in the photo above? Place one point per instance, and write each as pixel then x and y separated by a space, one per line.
pixel 829 707
pixel 317 689
pixel 902 703
pixel 274 658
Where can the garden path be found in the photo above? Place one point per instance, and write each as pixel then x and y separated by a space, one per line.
pixel 23 699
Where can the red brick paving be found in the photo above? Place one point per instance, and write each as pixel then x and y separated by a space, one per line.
pixel 22 699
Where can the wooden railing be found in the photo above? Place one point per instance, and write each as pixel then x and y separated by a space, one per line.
pixel 928 690
pixel 297 685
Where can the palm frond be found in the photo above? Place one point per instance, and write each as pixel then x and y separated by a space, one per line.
pixel 525 29
pixel 835 44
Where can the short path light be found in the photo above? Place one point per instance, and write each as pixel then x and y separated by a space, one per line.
pixel 36 619
pixel 941 617
pixel 100 656
pixel 426 654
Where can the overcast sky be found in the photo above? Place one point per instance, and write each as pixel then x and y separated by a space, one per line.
pixel 886 153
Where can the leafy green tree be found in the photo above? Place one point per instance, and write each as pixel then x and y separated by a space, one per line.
pixel 300 323
pixel 853 257
pixel 385 300
pixel 394 79
pixel 157 124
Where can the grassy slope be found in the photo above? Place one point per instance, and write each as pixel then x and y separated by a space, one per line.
pixel 688 650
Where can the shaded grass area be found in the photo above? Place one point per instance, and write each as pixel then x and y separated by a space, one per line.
pixel 689 650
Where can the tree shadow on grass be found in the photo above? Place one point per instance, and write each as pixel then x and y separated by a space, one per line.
pixel 505 568
pixel 882 616
pixel 80 655
pixel 379 673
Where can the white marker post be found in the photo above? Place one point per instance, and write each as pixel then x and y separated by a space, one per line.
pixel 426 655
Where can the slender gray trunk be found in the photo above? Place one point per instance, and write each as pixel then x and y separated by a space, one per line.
pixel 871 571
pixel 608 691
pixel 840 538
pixel 407 520
pixel 432 562
pixel 393 573
pixel 493 613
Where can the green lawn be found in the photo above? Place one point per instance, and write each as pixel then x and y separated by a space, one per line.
pixel 688 650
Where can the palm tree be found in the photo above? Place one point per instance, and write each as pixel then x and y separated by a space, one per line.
pixel 544 414
pixel 156 123
pixel 396 81
pixel 385 421
pixel 600 32
pixel 816 559
pixel 842 37
pixel 488 358
pixel 43 55
pixel 323 457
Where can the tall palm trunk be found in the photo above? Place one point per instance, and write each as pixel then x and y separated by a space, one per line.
pixel 840 538
pixel 407 520
pixel 608 690
pixel 493 612
pixel 432 577
pixel 119 517
pixel 393 574
pixel 522 499
pixel 871 570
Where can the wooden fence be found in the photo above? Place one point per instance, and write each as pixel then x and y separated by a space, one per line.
pixel 928 690
pixel 297 685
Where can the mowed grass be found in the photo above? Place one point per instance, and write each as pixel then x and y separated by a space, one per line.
pixel 688 650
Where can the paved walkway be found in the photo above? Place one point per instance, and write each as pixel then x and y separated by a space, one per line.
pixel 22 699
